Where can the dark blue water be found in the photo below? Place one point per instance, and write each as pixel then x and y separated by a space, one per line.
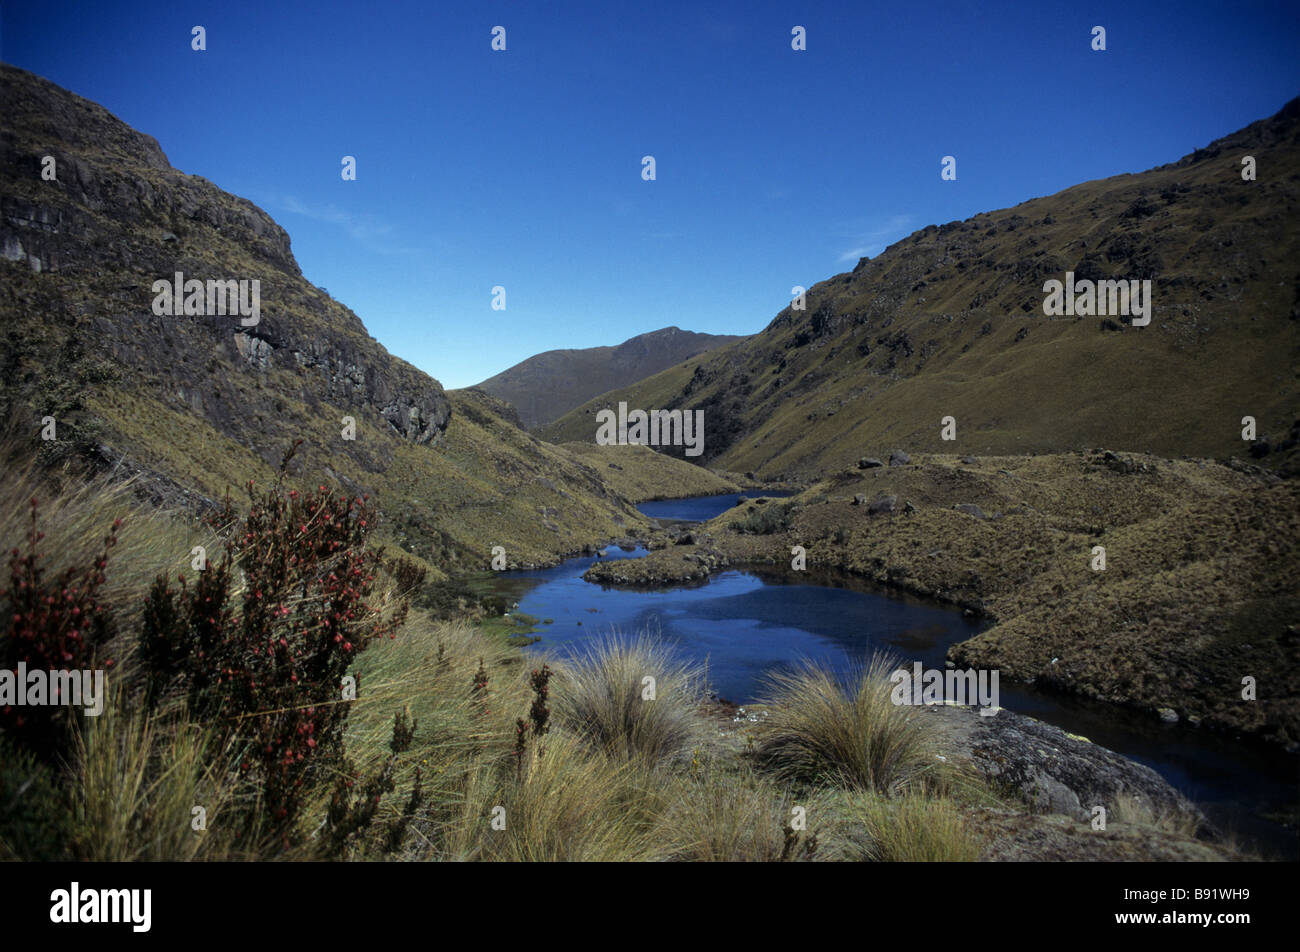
pixel 738 624
pixel 744 623
pixel 703 508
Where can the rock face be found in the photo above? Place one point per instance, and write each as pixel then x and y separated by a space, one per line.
pixel 1054 771
pixel 81 253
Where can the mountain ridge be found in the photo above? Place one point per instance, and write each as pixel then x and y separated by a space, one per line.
pixel 548 385
pixel 948 322
pixel 195 404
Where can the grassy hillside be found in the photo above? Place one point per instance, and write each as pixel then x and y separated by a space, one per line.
pixel 548 385
pixel 630 472
pixel 950 322
pixel 194 405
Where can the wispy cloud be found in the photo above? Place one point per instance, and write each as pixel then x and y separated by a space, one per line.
pixel 375 235
pixel 870 241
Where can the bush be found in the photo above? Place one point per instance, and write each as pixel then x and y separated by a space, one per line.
pixel 766 519
pixel 51 624
pixel 274 668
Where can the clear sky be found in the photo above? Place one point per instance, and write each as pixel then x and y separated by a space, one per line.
pixel 522 168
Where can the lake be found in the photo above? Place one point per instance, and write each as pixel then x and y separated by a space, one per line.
pixel 701 508
pixel 747 621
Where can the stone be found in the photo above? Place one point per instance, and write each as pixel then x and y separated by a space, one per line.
pixel 1054 770
pixel 883 505
pixel 869 462
pixel 899 458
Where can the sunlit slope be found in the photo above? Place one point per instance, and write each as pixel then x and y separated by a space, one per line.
pixel 950 322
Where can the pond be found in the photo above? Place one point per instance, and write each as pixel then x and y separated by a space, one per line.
pixel 702 508
pixel 748 621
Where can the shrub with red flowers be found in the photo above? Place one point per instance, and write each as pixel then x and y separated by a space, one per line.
pixel 273 666
pixel 51 624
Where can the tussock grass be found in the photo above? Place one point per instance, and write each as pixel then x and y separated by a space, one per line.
pixel 75 515
pixel 600 696
pixel 426 672
pixel 138 779
pixel 1141 812
pixel 569 803
pixel 909 829
pixel 824 730
pixel 615 778
pixel 723 816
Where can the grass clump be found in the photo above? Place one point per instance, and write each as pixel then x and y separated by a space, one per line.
pixel 1140 812
pixel 844 732
pixel 631 698
pixel 910 829
pixel 569 803
pixel 721 816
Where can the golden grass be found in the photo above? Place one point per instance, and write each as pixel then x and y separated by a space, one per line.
pixel 826 730
pixel 631 698
pixel 617 778
pixel 1140 812
pixel 910 829
pixel 149 788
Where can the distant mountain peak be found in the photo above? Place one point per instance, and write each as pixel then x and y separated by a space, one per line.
pixel 547 385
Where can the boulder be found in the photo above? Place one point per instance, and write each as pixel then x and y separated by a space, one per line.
pixel 883 505
pixel 869 462
pixel 899 458
pixel 1055 771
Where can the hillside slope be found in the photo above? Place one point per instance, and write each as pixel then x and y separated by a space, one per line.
pixel 546 386
pixel 198 403
pixel 950 322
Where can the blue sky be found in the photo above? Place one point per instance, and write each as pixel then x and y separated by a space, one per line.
pixel 522 168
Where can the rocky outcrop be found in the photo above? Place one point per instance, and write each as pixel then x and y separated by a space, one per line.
pixel 1053 771
pixel 92 214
